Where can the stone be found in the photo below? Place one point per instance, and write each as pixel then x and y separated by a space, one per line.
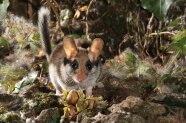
pixel 51 115
pixel 11 102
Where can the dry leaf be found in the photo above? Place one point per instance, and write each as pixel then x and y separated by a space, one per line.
pixel 72 111
pixel 91 103
pixel 72 97
pixel 77 14
pixel 83 9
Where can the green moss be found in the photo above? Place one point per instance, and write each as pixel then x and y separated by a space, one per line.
pixel 3 42
pixel 36 36
pixel 2 109
pixel 11 76
pixel 25 107
pixel 45 66
pixel 14 30
pixel 11 73
pixel 1 118
pixel 35 41
pixel 43 100
pixel 10 118
pixel 38 102
pixel 55 117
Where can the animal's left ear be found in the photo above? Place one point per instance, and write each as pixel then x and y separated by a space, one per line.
pixel 96 48
pixel 69 48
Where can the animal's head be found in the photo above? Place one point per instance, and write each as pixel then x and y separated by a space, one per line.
pixel 82 64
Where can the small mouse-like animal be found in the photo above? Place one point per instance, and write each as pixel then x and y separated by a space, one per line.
pixel 70 67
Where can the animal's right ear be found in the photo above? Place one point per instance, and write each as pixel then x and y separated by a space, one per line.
pixel 69 48
pixel 96 48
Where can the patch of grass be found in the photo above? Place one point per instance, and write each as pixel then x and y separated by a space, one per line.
pixel 2 109
pixel 43 100
pixel 10 118
pixel 22 32
pixel 3 42
pixel 9 76
pixel 179 42
pixel 55 117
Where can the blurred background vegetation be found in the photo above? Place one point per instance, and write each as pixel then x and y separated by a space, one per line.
pixel 134 31
pixel 146 26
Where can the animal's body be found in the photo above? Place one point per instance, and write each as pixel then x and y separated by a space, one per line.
pixel 70 67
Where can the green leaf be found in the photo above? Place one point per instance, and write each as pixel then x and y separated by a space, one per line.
pixel 3 9
pixel 65 16
pixel 131 59
pixel 142 68
pixel 86 38
pixel 179 35
pixel 3 42
pixel 35 37
pixel 74 36
pixel 158 7
pixel 172 24
pixel 180 46
pixel 26 81
pixel 55 116
pixel 179 42
pixel 112 2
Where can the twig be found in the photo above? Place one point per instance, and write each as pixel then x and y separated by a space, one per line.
pixel 160 33
pixel 150 21
pixel 56 8
pixel 168 67
pixel 87 12
pixel 125 39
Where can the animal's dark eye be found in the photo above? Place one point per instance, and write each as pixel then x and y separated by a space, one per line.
pixel 89 65
pixel 74 64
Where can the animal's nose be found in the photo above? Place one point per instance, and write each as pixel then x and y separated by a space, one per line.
pixel 81 76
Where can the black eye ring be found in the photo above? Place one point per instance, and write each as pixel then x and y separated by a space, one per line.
pixel 74 64
pixel 89 65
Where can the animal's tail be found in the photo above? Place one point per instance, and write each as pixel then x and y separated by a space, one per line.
pixel 43 19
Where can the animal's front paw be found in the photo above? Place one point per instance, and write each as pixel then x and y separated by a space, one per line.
pixel 100 85
pixel 58 93
pixel 89 91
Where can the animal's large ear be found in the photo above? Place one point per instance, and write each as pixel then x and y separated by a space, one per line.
pixel 69 48
pixel 96 48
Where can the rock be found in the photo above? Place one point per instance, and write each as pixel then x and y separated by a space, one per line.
pixel 10 117
pixel 11 102
pixel 153 110
pixel 173 99
pixel 135 119
pixel 51 115
pixel 87 120
pixel 119 112
pixel 2 90
pixel 36 102
pixel 29 7
pixel 168 119
pixel 114 118
pixel 134 109
pixel 130 102
pixel 116 90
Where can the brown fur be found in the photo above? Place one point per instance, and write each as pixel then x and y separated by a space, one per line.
pixel 70 67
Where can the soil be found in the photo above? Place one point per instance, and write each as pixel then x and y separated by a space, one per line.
pixel 128 101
